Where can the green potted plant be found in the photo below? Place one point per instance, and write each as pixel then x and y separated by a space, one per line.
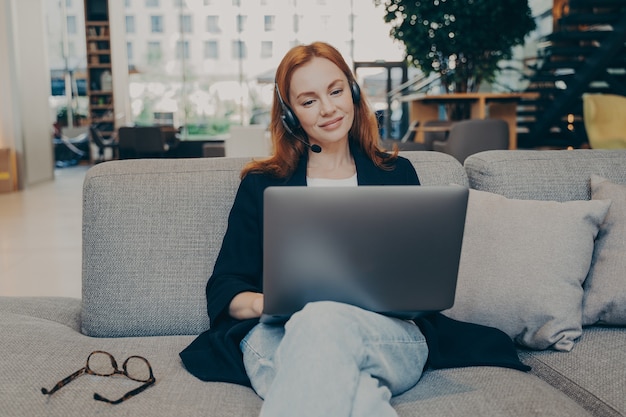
pixel 462 40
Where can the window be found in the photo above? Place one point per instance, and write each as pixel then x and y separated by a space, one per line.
pixel 211 50
pixel 156 23
pixel 71 48
pixel 266 49
pixel 324 20
pixel 269 23
pixel 130 24
pixel 236 2
pixel 154 52
pixel 129 52
pixel 71 25
pixel 185 24
pixel 152 3
pixel 241 22
pixel 182 50
pixel 127 4
pixel 296 23
pixel 239 50
pixel 213 24
pixel 68 3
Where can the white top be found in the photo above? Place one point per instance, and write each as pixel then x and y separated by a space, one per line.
pixel 326 182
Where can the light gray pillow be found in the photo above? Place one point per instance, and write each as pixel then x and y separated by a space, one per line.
pixel 604 300
pixel 523 264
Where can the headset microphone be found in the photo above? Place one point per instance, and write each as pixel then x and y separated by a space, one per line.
pixel 314 148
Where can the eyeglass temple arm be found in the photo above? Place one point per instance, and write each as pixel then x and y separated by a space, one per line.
pixel 63 382
pixel 126 396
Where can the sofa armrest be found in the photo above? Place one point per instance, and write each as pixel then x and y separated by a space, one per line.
pixel 61 310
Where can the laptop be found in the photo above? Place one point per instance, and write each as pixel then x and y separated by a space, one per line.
pixel 394 250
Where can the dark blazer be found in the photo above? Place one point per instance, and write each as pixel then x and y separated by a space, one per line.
pixel 215 354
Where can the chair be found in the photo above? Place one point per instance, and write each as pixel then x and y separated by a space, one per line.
pixel 433 130
pixel 468 137
pixel 213 150
pixel 604 116
pixel 248 141
pixel 126 142
pixel 439 130
pixel 149 142
pixel 103 144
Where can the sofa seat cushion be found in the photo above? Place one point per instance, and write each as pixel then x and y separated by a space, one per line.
pixel 593 373
pixel 485 392
pixel 38 352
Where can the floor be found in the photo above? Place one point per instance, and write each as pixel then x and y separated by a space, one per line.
pixel 40 237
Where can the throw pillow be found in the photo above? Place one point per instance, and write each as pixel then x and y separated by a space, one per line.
pixel 604 299
pixel 523 263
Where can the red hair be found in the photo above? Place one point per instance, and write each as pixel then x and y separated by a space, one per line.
pixel 287 150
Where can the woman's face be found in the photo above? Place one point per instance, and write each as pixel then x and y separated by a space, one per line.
pixel 321 98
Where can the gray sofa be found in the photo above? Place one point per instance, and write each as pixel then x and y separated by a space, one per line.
pixel 151 232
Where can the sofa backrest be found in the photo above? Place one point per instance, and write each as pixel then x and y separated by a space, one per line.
pixel 152 230
pixel 556 175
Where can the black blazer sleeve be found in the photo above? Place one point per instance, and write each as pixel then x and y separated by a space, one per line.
pixel 239 263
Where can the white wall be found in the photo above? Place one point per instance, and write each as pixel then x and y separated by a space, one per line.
pixel 25 124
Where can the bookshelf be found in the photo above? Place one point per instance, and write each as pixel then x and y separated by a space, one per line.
pixel 99 66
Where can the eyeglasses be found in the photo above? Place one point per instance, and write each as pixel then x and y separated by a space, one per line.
pixel 102 363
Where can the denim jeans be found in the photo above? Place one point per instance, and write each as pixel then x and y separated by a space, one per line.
pixel 333 359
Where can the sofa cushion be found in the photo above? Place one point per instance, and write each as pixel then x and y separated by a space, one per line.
pixel 604 299
pixel 592 373
pixel 522 266
pixel 152 230
pixel 558 175
pixel 41 352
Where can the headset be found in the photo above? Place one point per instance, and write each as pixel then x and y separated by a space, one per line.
pixel 288 117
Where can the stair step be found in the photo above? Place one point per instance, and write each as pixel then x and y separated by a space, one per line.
pixel 576 36
pixel 589 18
pixel 551 77
pixel 575 4
pixel 562 64
pixel 569 51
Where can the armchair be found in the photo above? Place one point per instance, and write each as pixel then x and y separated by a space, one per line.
pixel 604 116
pixel 102 143
pixel 467 137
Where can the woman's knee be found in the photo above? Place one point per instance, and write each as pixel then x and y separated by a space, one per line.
pixel 326 313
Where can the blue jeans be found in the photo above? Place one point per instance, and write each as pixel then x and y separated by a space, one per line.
pixel 333 359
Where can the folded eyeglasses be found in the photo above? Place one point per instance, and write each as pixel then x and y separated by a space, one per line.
pixel 102 363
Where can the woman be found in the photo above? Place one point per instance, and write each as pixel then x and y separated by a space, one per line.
pixel 329 358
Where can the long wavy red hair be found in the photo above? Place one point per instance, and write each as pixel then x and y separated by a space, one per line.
pixel 287 150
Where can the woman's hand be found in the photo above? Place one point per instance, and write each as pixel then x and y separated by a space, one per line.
pixel 246 305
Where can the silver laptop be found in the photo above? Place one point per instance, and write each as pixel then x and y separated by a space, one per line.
pixel 389 249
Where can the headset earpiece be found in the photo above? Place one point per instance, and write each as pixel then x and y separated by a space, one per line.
pixel 289 119
pixel 356 92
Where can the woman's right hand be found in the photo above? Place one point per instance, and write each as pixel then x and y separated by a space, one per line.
pixel 246 305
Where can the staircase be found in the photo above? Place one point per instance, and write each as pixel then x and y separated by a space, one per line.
pixel 585 54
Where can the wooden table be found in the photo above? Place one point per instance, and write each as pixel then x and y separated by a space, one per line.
pixel 503 106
